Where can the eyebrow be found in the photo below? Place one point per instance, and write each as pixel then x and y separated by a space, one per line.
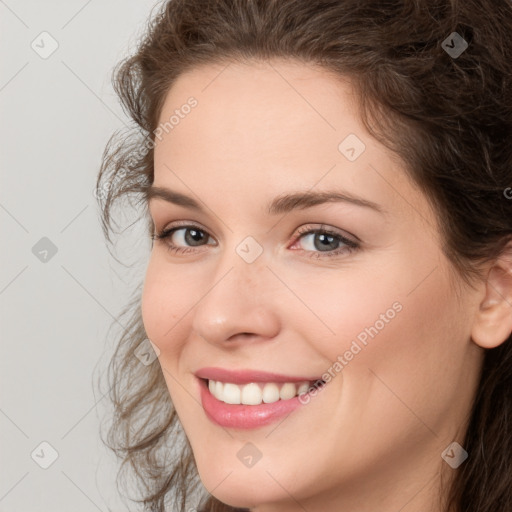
pixel 281 204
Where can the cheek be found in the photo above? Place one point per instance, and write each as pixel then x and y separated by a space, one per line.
pixel 347 308
pixel 390 320
pixel 409 350
pixel 167 297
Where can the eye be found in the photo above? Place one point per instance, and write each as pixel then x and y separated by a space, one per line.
pixel 319 242
pixel 183 238
pixel 315 242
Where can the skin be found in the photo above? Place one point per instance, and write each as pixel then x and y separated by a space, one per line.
pixel 373 438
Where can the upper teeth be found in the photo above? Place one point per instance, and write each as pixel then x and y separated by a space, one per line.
pixel 255 393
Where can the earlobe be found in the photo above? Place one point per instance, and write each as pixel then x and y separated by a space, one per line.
pixel 493 321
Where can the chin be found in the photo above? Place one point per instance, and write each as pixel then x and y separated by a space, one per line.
pixel 242 488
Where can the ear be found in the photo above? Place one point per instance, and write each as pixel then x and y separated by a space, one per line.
pixel 493 321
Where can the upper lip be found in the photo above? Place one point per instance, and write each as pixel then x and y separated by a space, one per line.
pixel 247 376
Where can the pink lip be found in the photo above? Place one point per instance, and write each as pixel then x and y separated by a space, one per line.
pixel 247 376
pixel 240 416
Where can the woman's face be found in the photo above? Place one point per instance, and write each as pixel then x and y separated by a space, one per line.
pixel 301 251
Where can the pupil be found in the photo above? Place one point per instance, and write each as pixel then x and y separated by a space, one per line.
pixel 192 236
pixel 325 241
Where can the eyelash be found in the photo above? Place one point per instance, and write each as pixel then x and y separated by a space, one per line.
pixel 348 247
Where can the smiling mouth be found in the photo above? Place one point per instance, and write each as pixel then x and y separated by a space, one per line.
pixel 257 393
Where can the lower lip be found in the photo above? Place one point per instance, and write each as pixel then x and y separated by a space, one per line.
pixel 244 416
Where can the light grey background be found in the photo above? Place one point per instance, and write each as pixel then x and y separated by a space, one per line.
pixel 57 114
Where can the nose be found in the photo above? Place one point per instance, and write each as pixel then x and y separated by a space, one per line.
pixel 241 303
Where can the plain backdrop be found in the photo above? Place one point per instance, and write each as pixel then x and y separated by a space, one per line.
pixel 60 289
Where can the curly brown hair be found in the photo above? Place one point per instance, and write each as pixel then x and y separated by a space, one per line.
pixel 449 118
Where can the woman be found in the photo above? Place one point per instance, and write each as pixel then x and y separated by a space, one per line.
pixel 329 290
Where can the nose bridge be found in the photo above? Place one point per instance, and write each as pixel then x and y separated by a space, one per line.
pixel 239 299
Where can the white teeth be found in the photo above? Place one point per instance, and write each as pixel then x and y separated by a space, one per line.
pixel 251 394
pixel 287 391
pixel 231 393
pixel 270 393
pixel 303 388
pixel 255 393
pixel 218 390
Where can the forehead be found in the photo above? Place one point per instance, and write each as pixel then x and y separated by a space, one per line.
pixel 272 100
pixel 269 127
